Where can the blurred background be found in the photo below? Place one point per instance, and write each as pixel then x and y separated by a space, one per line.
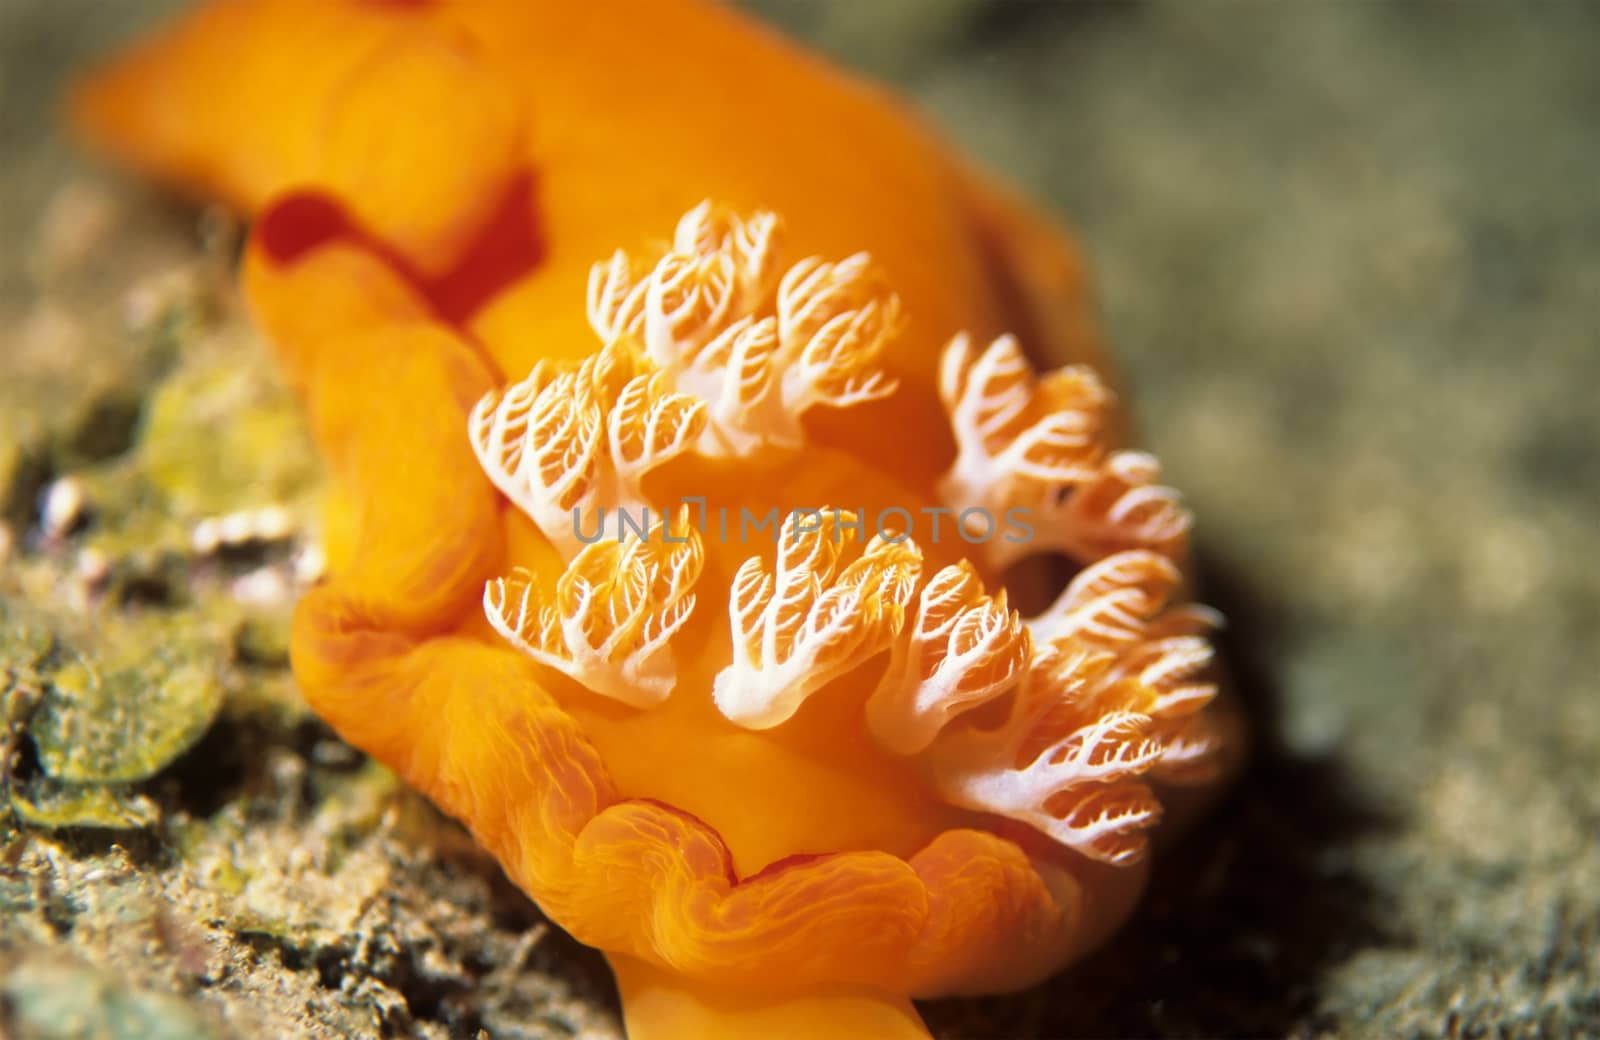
pixel 1348 255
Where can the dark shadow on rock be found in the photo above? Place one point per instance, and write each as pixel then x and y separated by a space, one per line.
pixel 1244 915
pixel 232 765
pixel 993 23
pixel 557 954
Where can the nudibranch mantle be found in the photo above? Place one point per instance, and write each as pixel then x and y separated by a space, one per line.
pixel 1058 722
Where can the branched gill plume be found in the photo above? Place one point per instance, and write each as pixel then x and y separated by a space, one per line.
pixel 715 351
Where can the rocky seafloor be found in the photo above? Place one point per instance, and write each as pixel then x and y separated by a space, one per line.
pixel 1349 258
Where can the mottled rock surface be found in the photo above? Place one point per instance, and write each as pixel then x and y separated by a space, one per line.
pixel 1349 257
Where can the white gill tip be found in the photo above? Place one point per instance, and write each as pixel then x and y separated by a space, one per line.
pixel 615 610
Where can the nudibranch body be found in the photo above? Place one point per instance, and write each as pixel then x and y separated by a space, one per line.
pixel 667 537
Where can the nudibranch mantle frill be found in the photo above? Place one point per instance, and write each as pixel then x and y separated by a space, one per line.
pixel 702 371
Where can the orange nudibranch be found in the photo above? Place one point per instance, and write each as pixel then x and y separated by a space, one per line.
pixel 667 536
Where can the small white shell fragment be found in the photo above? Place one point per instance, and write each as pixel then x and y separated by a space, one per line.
pixel 269 524
pixel 235 528
pixel 206 537
pixel 309 564
pixel 93 567
pixel 263 587
pixel 62 507
pixel 273 523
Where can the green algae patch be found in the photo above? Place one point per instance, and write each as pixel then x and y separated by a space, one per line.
pixel 222 433
pixel 54 805
pixel 122 715
pixel 104 702
pixel 26 643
